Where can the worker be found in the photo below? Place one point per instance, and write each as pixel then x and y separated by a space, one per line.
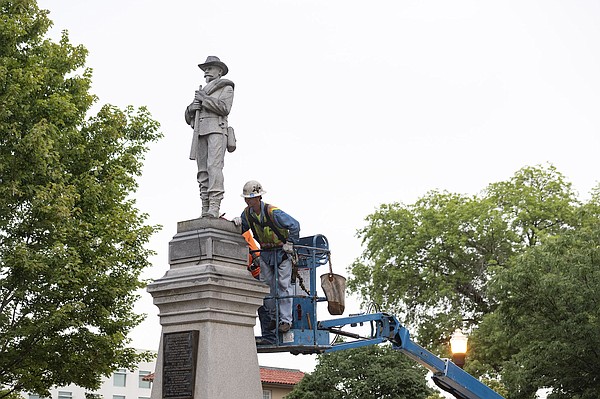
pixel 276 232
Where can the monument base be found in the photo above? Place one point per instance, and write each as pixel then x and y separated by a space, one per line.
pixel 207 303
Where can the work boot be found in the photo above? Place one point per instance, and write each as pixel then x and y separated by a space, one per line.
pixel 284 327
pixel 263 341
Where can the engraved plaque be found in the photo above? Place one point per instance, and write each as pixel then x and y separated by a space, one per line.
pixel 180 352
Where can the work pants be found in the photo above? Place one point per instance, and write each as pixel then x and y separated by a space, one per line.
pixel 283 287
pixel 265 320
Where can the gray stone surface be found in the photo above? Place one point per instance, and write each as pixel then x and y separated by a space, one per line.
pixel 208 223
pixel 208 241
pixel 207 116
pixel 208 289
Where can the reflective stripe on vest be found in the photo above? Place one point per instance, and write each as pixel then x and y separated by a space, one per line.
pixel 267 233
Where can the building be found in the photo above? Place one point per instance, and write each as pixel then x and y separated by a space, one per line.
pixel 137 384
pixel 278 382
pixel 123 384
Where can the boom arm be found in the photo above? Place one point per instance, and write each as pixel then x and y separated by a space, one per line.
pixel 384 327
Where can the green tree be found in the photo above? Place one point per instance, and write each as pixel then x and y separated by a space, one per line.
pixel 367 372
pixel 517 265
pixel 546 329
pixel 431 262
pixel 71 239
pixel 536 202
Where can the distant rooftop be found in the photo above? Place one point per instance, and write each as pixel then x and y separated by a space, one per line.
pixel 275 375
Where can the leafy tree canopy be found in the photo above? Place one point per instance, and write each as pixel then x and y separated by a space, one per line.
pixel 517 265
pixel 431 261
pixel 367 372
pixel 71 239
pixel 545 331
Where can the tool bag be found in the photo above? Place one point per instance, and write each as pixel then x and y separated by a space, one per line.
pixel 334 287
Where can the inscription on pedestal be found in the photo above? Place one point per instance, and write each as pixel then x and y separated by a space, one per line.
pixel 180 352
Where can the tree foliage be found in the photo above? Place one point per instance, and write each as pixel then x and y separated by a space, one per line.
pixel 546 329
pixel 367 372
pixel 517 265
pixel 431 261
pixel 71 239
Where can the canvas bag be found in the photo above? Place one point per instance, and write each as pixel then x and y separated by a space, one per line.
pixel 230 139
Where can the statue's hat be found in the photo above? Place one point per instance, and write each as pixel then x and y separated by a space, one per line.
pixel 211 60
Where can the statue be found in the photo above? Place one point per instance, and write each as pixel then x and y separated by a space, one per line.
pixel 207 115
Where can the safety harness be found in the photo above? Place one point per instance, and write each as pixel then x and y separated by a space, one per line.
pixel 269 222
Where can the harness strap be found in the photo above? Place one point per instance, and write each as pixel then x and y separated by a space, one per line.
pixel 269 222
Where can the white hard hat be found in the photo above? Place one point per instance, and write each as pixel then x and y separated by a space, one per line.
pixel 252 189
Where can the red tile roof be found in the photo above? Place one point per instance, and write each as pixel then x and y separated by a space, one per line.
pixel 269 375
pixel 273 375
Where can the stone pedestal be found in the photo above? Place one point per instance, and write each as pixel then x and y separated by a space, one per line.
pixel 207 307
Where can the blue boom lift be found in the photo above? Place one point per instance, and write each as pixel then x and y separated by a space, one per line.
pixel 309 336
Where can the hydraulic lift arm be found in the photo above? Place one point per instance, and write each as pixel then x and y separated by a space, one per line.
pixel 384 327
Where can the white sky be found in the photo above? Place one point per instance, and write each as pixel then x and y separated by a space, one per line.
pixel 343 105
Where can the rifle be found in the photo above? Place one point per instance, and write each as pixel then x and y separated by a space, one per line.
pixel 197 114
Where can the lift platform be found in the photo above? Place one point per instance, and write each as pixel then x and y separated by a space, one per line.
pixel 307 335
pixel 304 337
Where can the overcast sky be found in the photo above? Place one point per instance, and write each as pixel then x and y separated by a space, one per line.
pixel 342 105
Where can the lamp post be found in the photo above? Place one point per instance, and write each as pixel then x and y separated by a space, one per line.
pixel 458 346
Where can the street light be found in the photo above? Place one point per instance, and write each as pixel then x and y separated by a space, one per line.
pixel 458 346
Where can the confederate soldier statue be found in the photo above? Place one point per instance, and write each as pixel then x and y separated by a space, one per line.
pixel 207 115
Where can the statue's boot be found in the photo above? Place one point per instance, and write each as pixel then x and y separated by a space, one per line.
pixel 205 208
pixel 213 208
